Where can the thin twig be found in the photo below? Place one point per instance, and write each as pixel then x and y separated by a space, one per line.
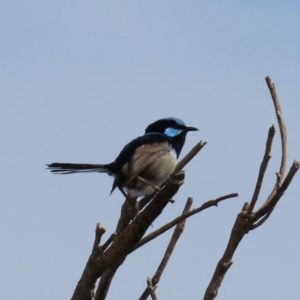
pixel 262 168
pixel 187 158
pixel 177 232
pixel 186 215
pixel 285 184
pixel 262 220
pixel 151 289
pixel 283 135
pixel 240 228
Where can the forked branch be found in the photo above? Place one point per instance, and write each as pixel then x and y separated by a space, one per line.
pixel 247 219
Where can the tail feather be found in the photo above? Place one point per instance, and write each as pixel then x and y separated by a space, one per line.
pixel 69 168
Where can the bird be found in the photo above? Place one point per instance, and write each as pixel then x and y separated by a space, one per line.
pixel 144 164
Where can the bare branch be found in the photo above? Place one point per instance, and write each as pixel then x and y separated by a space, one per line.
pixel 283 136
pixel 177 232
pixel 151 289
pixel 192 153
pixel 262 220
pixel 123 243
pixel 262 168
pixel 246 220
pixel 240 228
pixel 272 203
pixel 186 215
pixel 242 225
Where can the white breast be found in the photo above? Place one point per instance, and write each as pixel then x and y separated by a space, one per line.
pixel 157 173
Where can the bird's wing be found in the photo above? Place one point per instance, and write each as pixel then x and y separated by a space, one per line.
pixel 143 157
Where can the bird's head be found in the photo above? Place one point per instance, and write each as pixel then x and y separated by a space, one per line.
pixel 171 127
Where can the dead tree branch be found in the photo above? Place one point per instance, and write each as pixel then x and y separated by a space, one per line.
pixel 262 169
pixel 151 289
pixel 177 232
pixel 271 203
pixel 185 215
pixel 247 219
pixel 282 129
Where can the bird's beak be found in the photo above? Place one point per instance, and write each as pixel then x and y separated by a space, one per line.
pixel 192 129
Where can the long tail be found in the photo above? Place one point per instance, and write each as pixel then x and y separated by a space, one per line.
pixel 69 168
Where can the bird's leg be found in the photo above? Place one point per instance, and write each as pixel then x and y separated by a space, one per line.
pixel 155 187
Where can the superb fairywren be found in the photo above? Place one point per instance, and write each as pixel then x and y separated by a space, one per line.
pixel 145 163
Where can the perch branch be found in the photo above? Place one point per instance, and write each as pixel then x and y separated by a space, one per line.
pixel 187 158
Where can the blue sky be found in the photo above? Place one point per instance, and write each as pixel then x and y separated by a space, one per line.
pixel 78 80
